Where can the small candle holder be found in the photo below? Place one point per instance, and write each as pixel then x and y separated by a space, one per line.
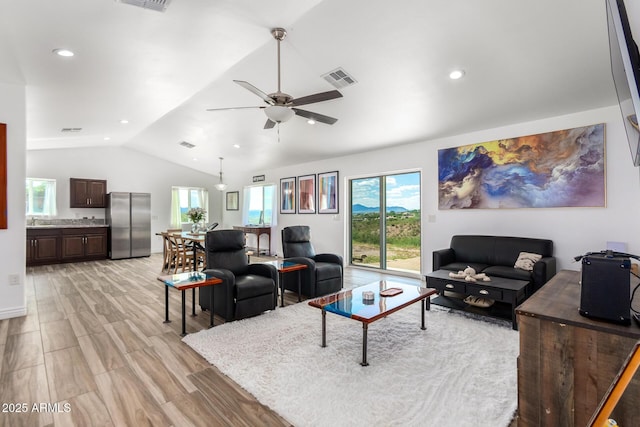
pixel 368 297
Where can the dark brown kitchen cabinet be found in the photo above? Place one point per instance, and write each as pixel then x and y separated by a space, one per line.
pixel 43 246
pixel 82 244
pixel 88 193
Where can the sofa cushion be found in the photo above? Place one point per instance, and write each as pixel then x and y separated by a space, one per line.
pixel 460 266
pixel 479 301
pixel 507 272
pixel 507 249
pixel 476 249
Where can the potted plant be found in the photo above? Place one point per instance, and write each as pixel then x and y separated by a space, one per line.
pixel 196 215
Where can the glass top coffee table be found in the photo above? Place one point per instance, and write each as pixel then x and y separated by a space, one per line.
pixel 354 305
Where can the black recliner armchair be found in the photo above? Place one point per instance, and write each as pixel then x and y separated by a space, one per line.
pixel 247 289
pixel 323 275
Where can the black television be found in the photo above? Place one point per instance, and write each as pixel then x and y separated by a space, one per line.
pixel 625 67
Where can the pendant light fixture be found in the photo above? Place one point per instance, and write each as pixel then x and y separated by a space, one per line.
pixel 221 185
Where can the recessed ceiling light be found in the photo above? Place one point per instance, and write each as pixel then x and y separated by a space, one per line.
pixel 311 122
pixel 124 121
pixel 195 159
pixel 456 74
pixel 63 52
pixel 106 138
pixel 236 146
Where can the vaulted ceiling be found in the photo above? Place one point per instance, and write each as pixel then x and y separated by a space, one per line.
pixel 161 71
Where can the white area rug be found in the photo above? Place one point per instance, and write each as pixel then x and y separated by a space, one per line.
pixel 458 372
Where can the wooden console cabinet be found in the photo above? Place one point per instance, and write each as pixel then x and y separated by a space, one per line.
pixel 567 362
pixel 87 193
pixel 258 231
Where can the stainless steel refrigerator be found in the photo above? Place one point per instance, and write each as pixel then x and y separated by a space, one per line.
pixel 129 218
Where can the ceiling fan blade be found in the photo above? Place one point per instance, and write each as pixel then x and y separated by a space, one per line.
pixel 315 116
pixel 317 97
pixel 234 108
pixel 255 90
pixel 269 124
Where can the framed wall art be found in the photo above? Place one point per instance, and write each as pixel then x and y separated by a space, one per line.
pixel 564 168
pixel 232 200
pixel 307 194
pixel 328 192
pixel 288 195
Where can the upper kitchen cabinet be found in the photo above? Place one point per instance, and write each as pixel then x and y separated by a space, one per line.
pixel 88 193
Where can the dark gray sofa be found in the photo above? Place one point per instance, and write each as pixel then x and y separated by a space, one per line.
pixel 496 256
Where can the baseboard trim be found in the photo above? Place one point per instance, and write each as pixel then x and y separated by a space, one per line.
pixel 10 313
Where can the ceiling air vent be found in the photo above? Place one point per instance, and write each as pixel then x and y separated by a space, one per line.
pixel 70 129
pixel 187 144
pixel 159 5
pixel 339 78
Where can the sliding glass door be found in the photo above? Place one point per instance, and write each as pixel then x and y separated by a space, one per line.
pixel 366 221
pixel 385 222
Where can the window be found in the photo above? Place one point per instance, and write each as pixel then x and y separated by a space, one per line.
pixel 40 197
pixel 185 198
pixel 259 205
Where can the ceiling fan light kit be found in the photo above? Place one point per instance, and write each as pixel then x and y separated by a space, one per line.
pixel 281 106
pixel 278 113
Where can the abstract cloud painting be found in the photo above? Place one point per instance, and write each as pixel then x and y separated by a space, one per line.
pixel 565 168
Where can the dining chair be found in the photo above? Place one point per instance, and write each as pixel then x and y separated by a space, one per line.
pixel 169 250
pixel 168 254
pixel 184 257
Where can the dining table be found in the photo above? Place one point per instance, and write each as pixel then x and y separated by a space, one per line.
pixel 196 240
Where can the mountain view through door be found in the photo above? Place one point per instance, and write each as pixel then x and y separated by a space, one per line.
pixel 390 241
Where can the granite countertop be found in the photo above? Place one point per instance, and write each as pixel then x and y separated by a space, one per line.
pixel 45 226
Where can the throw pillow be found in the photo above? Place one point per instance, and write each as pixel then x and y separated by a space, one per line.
pixel 479 301
pixel 452 294
pixel 526 260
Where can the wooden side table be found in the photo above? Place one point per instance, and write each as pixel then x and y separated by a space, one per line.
pixel 287 267
pixel 182 282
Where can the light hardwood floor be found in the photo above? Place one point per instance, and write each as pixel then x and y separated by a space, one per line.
pixel 94 351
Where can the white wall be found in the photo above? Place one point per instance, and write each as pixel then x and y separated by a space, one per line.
pixel 573 230
pixel 125 170
pixel 13 239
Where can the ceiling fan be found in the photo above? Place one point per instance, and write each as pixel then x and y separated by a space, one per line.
pixel 282 106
